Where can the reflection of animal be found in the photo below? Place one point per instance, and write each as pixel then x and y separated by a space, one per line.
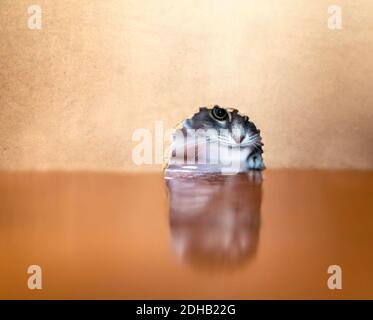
pixel 233 133
pixel 214 219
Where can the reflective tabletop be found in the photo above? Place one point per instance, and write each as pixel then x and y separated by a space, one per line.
pixel 126 236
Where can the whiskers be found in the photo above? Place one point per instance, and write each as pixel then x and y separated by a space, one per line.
pixel 252 141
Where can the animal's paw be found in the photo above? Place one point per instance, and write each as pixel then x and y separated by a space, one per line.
pixel 255 161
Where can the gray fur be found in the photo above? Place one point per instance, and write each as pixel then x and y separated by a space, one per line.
pixel 236 124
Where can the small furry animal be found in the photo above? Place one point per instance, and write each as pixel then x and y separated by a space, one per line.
pixel 226 130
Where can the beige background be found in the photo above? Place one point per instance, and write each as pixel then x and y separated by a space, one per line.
pixel 72 94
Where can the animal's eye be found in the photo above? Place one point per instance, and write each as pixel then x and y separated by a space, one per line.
pixel 219 113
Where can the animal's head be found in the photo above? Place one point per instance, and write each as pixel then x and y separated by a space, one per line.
pixel 234 129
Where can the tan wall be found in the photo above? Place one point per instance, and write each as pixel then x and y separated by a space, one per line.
pixel 72 93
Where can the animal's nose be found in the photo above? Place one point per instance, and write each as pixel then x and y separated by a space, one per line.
pixel 238 138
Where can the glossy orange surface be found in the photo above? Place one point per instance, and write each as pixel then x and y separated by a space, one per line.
pixel 112 235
